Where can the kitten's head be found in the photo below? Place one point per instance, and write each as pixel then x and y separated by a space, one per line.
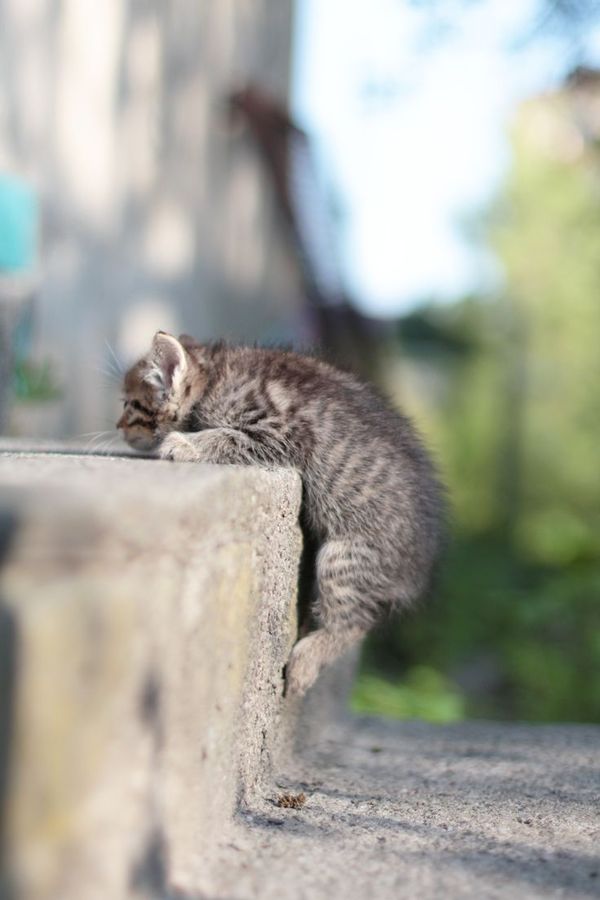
pixel 159 392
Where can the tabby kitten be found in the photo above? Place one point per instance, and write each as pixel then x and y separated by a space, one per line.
pixel 371 498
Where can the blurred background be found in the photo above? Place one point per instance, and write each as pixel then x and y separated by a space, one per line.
pixel 413 186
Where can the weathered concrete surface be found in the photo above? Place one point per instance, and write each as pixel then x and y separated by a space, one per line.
pixel 147 612
pixel 409 810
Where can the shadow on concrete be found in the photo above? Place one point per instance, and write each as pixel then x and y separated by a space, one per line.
pixel 509 807
pixel 515 862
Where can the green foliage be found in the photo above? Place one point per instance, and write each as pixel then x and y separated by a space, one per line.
pixel 423 694
pixel 514 629
pixel 34 383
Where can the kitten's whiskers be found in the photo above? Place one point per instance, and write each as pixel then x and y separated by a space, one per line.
pixel 95 438
pixel 118 368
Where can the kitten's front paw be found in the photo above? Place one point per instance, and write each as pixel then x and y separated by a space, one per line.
pixel 179 448
pixel 303 667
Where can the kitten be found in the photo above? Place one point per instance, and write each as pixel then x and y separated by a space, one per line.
pixel 371 497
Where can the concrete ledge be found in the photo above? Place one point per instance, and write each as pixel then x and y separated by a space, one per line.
pixel 147 612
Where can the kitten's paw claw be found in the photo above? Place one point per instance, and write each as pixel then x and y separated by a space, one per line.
pixel 303 667
pixel 178 448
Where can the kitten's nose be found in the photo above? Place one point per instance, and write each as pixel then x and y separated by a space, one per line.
pixel 121 422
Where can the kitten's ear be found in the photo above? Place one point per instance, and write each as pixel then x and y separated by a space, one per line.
pixel 168 362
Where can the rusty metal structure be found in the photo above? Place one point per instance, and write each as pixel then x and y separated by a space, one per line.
pixel 341 330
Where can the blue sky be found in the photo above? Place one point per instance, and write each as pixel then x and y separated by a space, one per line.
pixel 410 133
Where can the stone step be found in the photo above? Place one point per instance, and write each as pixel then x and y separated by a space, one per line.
pixel 147 611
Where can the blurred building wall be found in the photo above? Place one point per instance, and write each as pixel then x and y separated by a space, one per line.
pixel 156 209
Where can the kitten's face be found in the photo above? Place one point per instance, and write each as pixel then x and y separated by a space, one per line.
pixel 141 410
pixel 157 393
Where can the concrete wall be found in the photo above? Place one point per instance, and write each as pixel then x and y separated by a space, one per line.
pixel 146 612
pixel 156 209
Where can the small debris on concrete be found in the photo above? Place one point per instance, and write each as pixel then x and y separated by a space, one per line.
pixel 291 801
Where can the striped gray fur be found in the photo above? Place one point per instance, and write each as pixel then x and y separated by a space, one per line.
pixel 372 500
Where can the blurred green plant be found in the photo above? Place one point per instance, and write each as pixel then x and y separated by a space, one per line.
pixel 515 624
pixel 424 693
pixel 34 382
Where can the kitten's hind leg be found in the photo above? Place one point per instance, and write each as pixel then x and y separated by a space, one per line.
pixel 312 653
pixel 351 591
